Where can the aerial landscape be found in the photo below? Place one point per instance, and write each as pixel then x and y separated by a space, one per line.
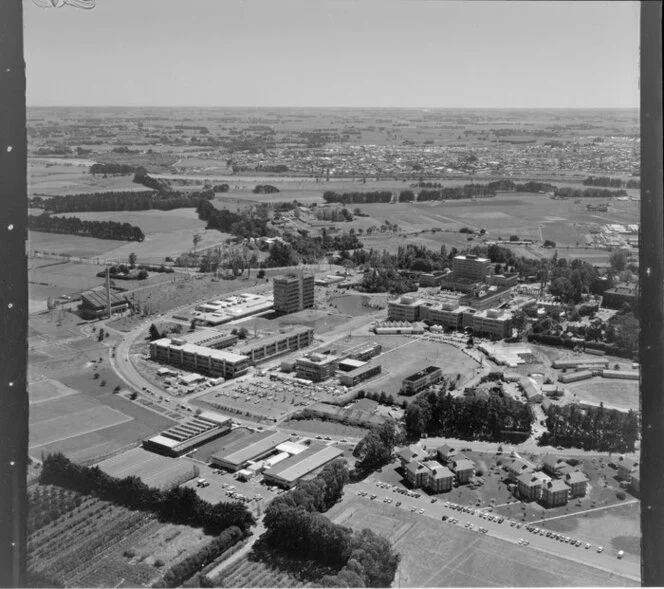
pixel 332 346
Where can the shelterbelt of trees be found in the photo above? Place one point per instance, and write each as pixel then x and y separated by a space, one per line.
pixel 179 505
pixel 437 191
pixel 608 182
pixel 113 169
pixel 295 524
pixel 75 226
pixel 591 428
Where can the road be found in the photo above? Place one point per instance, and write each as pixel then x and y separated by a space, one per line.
pixel 606 561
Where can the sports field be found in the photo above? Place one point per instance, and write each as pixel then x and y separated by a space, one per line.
pixel 153 469
pixel 437 554
pixel 615 394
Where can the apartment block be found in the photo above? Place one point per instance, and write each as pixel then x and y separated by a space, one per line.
pixel 293 292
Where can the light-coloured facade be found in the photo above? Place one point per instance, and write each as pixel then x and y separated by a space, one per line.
pixel 279 343
pixel 404 309
pixel 420 380
pixel 293 292
pixel 555 493
pixel 493 323
pixel 316 367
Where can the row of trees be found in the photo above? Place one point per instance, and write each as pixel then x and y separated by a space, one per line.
pixel 123 201
pixel 187 568
pixel 591 428
pixel 179 505
pixel 457 192
pixel 569 192
pixel 608 182
pixel 75 226
pixel 115 169
pixel 265 189
pixel 378 196
pixel 471 418
pixel 333 214
pixel 294 524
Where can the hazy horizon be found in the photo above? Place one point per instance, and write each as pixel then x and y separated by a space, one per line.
pixel 339 54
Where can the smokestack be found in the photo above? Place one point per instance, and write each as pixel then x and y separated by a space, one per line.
pixel 108 291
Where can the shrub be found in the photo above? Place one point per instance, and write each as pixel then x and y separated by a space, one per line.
pixel 158 563
pixel 621 495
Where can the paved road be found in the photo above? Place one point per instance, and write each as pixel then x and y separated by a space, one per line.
pixel 606 561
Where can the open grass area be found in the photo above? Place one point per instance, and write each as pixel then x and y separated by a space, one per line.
pixel 615 394
pixel 436 554
pixel 59 179
pixel 70 245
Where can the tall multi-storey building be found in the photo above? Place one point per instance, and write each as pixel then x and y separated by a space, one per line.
pixel 404 309
pixel 472 267
pixel 316 367
pixel 293 292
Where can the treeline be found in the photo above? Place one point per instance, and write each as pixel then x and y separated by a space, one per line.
pixel 75 226
pixel 294 524
pixel 179 573
pixel 179 505
pixel 608 182
pixel 141 176
pixel 119 169
pixel 469 418
pixel 457 192
pixel 591 428
pixel 333 214
pixel 499 186
pixel 569 192
pixel 374 450
pixel 265 189
pixel 388 280
pixel 221 188
pixel 239 224
pixel 125 201
pixel 384 196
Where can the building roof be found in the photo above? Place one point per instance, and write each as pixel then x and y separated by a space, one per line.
pixel 576 477
pixel 462 464
pixel 446 450
pixel 519 465
pixel 556 485
pixel 224 355
pixel 441 472
pixel 415 467
pixel 553 462
pixel 271 339
pixel 628 463
pixel 529 480
pixel 424 372
pixel 295 467
pixel 249 448
pixel 97 298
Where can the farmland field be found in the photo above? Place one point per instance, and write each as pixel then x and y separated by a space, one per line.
pixel 62 179
pixel 434 554
pixel 82 541
pixel 69 245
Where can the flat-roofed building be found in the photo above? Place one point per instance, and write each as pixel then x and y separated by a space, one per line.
pixel 576 362
pixel 364 372
pixel 293 292
pixel 624 374
pixel 274 345
pixel 420 380
pixel 493 323
pixel 473 267
pixel 316 367
pixel 404 309
pixel 616 297
pixel 186 436
pixel 488 297
pixel 195 358
pixel 288 472
pixel 575 376
pixel 447 313
pixel 248 449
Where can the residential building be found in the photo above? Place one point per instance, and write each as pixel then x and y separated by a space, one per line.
pixel 445 453
pixel 577 482
pixel 626 466
pixel 518 468
pixel 464 470
pixel 420 380
pixel 555 493
pixel 553 464
pixel 416 473
pixel 440 479
pixel 616 297
pixel 410 453
pixel 316 367
pixel 293 292
pixel 529 486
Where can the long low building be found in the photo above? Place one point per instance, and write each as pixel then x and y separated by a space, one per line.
pixel 201 359
pixel 361 373
pixel 277 344
pixel 575 376
pixel 420 380
pixel 288 472
pixel 186 436
pixel 576 362
pixel 248 449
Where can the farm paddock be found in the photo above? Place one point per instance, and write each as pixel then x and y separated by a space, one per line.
pixel 82 541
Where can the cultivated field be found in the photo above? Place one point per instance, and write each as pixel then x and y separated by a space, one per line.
pixel 81 541
pixel 154 470
pixel 58 179
pixel 435 554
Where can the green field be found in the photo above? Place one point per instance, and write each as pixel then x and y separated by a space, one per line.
pixel 615 394
pixel 436 554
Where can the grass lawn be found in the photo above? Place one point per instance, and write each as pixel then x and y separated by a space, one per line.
pixel 616 394
pixel 435 554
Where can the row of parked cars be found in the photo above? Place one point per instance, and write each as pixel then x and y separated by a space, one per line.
pixel 562 538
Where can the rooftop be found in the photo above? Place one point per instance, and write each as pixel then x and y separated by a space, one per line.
pixel 248 448
pixel 299 465
pixel 424 372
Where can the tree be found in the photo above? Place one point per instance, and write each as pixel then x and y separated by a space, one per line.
pixel 196 239
pixel 132 259
pixel 618 261
pixel 154 333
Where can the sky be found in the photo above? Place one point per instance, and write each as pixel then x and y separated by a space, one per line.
pixel 359 53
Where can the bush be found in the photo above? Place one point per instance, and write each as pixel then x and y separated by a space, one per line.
pixel 621 495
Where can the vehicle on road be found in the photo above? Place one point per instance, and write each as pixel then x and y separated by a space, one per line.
pixel 600 549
